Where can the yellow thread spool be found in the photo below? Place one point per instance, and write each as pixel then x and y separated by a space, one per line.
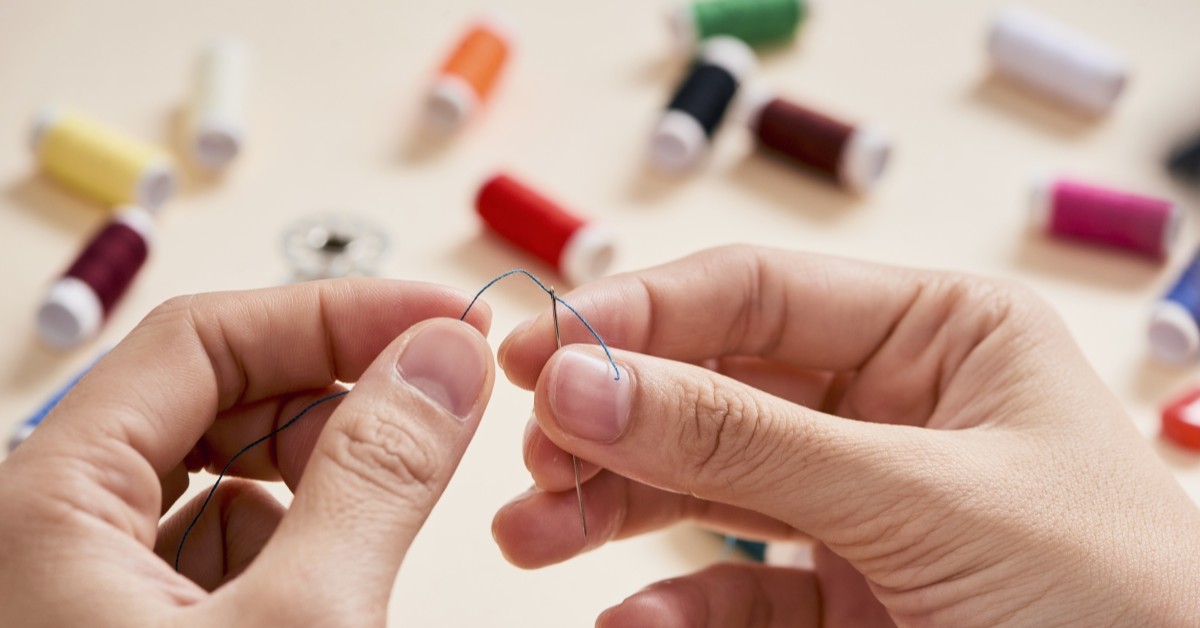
pixel 101 162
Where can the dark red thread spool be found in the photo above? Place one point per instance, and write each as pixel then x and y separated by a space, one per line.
pixel 854 156
pixel 82 298
pixel 581 250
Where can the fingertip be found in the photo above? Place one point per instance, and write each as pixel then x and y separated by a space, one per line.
pixel 480 317
pixel 552 467
pixel 518 353
pixel 503 530
pixel 538 529
pixel 645 608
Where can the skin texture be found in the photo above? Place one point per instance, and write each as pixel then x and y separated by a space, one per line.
pixel 939 439
pixel 80 535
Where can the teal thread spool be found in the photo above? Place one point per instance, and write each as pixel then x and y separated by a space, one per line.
pixel 755 22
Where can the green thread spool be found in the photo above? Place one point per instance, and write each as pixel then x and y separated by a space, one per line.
pixel 752 21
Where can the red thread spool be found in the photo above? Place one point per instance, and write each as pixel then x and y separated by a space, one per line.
pixel 1081 211
pixel 1181 420
pixel 80 301
pixel 580 250
pixel 853 156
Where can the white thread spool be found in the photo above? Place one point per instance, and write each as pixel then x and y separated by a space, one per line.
pixel 1056 60
pixel 216 115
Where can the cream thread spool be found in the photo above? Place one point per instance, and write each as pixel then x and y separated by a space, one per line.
pixel 216 118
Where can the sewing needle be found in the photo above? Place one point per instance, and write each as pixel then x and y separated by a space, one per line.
pixel 574 459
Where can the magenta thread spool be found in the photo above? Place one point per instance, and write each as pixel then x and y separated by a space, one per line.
pixel 1080 211
pixel 82 298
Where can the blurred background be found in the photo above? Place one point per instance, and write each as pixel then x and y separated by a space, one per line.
pixel 334 103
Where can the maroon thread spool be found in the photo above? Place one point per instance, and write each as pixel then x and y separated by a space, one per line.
pixel 82 298
pixel 854 156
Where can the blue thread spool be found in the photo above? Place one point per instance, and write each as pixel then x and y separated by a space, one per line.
pixel 1175 321
pixel 30 424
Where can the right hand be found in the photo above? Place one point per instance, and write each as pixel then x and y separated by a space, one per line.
pixel 939 437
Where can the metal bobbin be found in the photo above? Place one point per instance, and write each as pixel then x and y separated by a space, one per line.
pixel 328 246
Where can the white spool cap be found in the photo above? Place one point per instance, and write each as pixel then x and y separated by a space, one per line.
pixel 681 19
pixel 502 25
pixel 71 312
pixel 1041 198
pixel 155 186
pixel 679 141
pixel 1173 333
pixel 587 254
pixel 216 121
pixel 755 97
pixel 864 158
pixel 451 103
pixel 729 53
pixel 1057 60
pixel 20 435
pixel 44 119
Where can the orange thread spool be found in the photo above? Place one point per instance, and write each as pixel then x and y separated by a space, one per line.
pixel 469 73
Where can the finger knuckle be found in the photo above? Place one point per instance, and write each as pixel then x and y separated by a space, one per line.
pixel 397 456
pixel 722 433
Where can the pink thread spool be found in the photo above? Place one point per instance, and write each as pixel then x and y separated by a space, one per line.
pixel 80 301
pixel 1081 211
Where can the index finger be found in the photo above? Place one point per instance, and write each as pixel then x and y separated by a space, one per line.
pixel 159 390
pixel 809 311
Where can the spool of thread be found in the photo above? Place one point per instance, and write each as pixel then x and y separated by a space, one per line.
pixel 1081 211
pixel 26 428
pixel 581 250
pixel 101 162
pixel 1181 420
pixel 216 125
pixel 1174 330
pixel 1184 161
pixel 854 156
pixel 469 73
pixel 684 132
pixel 80 301
pixel 1056 60
pixel 752 21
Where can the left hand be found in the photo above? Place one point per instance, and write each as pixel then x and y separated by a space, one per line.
pixel 200 378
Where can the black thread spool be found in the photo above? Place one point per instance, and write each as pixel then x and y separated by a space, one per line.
pixel 1184 162
pixel 683 134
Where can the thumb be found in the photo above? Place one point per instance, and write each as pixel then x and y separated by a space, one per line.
pixel 689 430
pixel 379 466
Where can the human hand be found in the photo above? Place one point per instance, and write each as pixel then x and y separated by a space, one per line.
pixel 988 477
pixel 197 380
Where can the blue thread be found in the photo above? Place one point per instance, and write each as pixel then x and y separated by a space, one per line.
pixel 245 449
pixel 293 420
pixel 522 271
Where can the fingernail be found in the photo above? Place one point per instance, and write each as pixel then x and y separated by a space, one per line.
pixel 444 362
pixel 588 402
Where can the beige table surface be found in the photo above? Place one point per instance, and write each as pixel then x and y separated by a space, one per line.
pixel 337 86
